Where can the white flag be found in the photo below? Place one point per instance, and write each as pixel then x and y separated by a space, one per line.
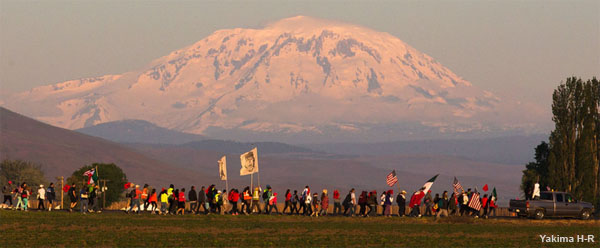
pixel 223 168
pixel 249 162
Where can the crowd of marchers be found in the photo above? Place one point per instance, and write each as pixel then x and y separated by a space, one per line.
pixel 210 200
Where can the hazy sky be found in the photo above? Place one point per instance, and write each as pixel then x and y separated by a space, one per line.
pixel 518 48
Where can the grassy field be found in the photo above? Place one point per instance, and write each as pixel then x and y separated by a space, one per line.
pixel 61 229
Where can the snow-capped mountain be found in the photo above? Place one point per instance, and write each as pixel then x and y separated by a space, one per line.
pixel 297 77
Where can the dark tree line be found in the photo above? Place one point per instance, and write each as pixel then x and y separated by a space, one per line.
pixel 570 161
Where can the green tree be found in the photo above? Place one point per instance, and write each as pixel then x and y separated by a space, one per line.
pixel 19 171
pixel 574 154
pixel 536 171
pixel 115 177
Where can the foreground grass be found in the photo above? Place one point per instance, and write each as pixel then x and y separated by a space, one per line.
pixel 61 229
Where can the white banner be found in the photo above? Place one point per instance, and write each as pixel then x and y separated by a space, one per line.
pixel 223 168
pixel 249 162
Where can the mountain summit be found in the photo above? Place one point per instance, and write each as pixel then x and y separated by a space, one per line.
pixel 303 78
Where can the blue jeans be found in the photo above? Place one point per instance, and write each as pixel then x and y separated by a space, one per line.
pixel 84 205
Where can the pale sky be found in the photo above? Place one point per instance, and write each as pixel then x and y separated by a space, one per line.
pixel 522 49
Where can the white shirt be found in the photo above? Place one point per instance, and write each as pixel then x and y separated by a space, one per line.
pixel 353 197
pixel 42 193
pixel 536 190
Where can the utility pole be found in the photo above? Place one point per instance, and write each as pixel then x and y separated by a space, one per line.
pixel 62 186
pixel 103 190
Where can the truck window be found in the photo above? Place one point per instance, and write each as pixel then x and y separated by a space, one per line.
pixel 569 198
pixel 559 198
pixel 546 196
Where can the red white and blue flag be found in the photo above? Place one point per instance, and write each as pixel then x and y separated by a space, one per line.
pixel 391 179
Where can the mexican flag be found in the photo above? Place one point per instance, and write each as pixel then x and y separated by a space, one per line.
pixel 429 183
pixel 92 176
pixel 494 196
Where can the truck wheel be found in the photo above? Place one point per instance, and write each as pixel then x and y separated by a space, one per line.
pixel 585 214
pixel 539 214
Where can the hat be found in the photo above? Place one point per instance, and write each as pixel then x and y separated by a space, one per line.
pixel 9 182
pixel 403 192
pixel 137 186
pixel 325 191
pixel 41 185
pixel 219 191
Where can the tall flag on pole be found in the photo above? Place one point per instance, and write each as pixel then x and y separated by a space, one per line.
pixel 475 202
pixel 223 168
pixel 391 179
pixel 485 188
pixel 429 183
pixel 249 162
pixel 92 176
pixel 457 187
pixel 494 196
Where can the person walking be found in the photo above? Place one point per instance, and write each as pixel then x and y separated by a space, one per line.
pixel 315 205
pixel 442 204
pixel 235 197
pixel 164 200
pixel 25 197
pixel 255 200
pixel 83 196
pixel 152 199
pixel 50 196
pixel 308 204
pixel 452 205
pixel 172 199
pixel 372 203
pixel 492 206
pixel 193 199
pixel 389 199
pixel 484 205
pixel 202 201
pixel 73 197
pixel 225 202
pixel 415 203
pixel 382 202
pixel 135 195
pixel 324 203
pixel 95 199
pixel 401 201
pixel 337 205
pixel 362 203
pixel 295 202
pixel 305 195
pixel 428 203
pixel 273 203
pixel 144 197
pixel 181 202
pixel 41 197
pixel 7 191
pixel 288 201
pixel 247 199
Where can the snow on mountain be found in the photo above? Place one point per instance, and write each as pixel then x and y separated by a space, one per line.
pixel 299 75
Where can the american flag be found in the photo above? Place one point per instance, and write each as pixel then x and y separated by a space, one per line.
pixel 475 203
pixel 391 179
pixel 457 187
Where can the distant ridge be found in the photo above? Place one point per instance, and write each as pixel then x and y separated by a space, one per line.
pixel 61 151
pixel 139 131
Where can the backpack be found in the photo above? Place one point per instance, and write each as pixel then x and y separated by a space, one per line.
pixel 347 200
pixel 265 195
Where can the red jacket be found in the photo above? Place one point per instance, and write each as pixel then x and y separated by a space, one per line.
pixel 336 195
pixel 235 197
pixel 288 196
pixel 181 196
pixel 415 199
pixel 484 201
